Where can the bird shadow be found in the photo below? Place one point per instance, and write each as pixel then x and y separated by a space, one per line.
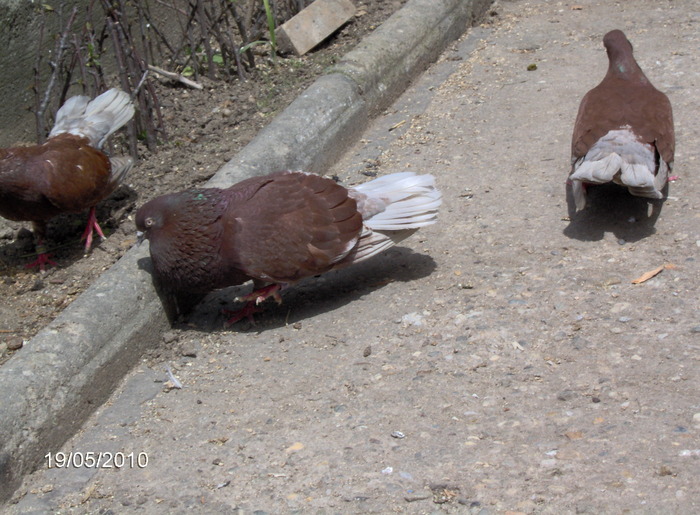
pixel 311 297
pixel 610 208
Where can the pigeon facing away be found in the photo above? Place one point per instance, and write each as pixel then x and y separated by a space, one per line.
pixel 69 172
pixel 278 229
pixel 624 130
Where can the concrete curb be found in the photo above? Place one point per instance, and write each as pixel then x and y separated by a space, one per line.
pixel 71 367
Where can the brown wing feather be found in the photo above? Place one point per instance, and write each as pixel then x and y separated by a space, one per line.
pixel 294 226
pixel 616 103
pixel 64 174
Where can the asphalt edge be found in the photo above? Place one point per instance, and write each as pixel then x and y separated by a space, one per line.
pixel 80 357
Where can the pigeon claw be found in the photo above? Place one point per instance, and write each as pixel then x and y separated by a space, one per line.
pixel 262 294
pixel 237 315
pixel 43 259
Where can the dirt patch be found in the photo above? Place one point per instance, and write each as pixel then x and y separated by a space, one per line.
pixel 206 129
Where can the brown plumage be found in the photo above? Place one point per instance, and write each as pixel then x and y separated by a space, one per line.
pixel 68 173
pixel 624 129
pixel 278 229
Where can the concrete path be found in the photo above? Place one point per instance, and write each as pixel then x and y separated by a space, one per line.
pixel 500 361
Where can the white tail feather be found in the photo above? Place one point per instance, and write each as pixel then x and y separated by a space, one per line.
pixel 95 119
pixel 120 166
pixel 398 201
pixel 393 207
pixel 621 158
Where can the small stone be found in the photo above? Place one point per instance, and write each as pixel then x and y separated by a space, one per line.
pixel 170 336
pixel 189 352
pixel 367 352
pixel 531 67
pixel 15 344
pixel 398 434
pixel 665 471
pixel 412 319
pixel 695 329
pixel 566 395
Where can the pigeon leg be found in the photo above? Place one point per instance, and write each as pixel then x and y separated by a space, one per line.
pixel 91 225
pixel 262 294
pixel 43 258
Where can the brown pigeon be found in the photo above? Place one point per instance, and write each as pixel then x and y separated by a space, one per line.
pixel 624 130
pixel 69 172
pixel 278 229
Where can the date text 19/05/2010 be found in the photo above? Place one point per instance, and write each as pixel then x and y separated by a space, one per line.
pixel 90 459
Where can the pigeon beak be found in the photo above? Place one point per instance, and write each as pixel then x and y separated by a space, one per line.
pixel 140 236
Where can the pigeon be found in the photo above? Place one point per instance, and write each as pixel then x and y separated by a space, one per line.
pixel 69 172
pixel 278 229
pixel 624 130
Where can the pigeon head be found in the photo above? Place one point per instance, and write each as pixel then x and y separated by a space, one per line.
pixel 152 216
pixel 616 40
pixel 621 58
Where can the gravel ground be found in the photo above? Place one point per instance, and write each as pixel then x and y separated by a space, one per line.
pixel 500 361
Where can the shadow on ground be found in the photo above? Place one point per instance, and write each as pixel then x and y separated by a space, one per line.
pixel 312 296
pixel 610 208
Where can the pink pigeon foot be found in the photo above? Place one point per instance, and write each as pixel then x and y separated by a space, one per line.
pixel 91 225
pixel 42 259
pixel 262 294
pixel 252 300
pixel 239 314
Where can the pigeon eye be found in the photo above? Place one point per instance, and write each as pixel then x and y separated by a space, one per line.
pixel 149 222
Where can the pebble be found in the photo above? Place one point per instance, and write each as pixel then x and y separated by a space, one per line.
pixel 170 336
pixel 566 395
pixel 189 351
pixel 412 319
pixel 15 344
pixel 695 329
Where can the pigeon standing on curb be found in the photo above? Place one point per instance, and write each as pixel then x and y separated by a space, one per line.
pixel 279 229
pixel 69 172
pixel 624 130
